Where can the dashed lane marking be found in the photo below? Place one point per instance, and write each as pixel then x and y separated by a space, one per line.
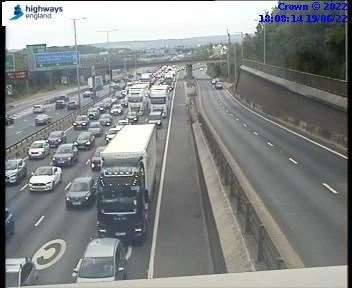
pixel 293 161
pixel 38 222
pixel 330 188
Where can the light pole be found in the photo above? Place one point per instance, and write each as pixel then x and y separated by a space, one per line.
pixel 77 61
pixel 346 48
pixel 109 63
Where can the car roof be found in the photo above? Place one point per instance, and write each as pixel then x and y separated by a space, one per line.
pixel 41 167
pixel 85 133
pixel 82 179
pixel 14 159
pixel 14 264
pixel 56 132
pixel 101 247
pixel 39 141
pixel 66 145
pixel 155 113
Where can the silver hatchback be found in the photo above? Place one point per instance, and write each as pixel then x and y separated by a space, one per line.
pixel 104 260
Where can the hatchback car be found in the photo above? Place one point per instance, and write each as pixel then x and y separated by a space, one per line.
pixel 104 260
pixel 95 128
pixel 218 85
pixel 96 160
pixel 81 122
pixel 85 141
pixel 56 138
pixel 155 117
pixel 101 107
pixel 15 170
pixel 93 113
pixel 132 117
pixel 39 149
pixel 39 108
pixel 9 222
pixel 60 104
pixel 116 110
pixel 72 105
pixel 81 193
pixel 122 122
pixel 65 155
pixel 42 119
pixel 87 94
pixel 105 120
pixel 20 272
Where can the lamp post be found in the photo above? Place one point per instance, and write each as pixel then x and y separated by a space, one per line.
pixel 109 63
pixel 77 61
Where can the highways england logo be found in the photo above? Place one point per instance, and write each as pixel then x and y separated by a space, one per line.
pixel 36 12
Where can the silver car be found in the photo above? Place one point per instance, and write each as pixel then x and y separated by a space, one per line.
pixel 20 272
pixel 96 128
pixel 39 149
pixel 42 119
pixel 104 260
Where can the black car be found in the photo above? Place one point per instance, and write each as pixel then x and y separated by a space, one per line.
pixel 9 222
pixel 62 97
pixel 9 120
pixel 85 141
pixel 105 119
pixel 72 105
pixel 82 192
pixel 56 138
pixel 96 128
pixel 96 161
pixel 60 104
pixel 65 155
pixel 81 122
pixel 93 113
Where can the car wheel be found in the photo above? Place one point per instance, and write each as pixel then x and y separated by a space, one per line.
pixel 24 172
pixel 52 186
pixel 68 206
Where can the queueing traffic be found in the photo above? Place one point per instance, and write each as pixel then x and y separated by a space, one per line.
pixel 124 178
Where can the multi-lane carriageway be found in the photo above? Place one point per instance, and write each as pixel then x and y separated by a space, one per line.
pixel 302 184
pixel 177 246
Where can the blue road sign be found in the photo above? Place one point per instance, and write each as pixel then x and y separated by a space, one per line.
pixel 56 60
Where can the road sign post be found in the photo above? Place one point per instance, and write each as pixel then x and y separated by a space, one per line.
pixel 10 63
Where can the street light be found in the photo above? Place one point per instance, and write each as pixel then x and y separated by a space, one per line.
pixel 107 41
pixel 263 26
pixel 77 61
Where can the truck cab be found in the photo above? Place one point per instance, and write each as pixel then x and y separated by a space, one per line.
pixel 122 201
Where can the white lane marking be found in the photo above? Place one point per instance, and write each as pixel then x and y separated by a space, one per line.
pixel 237 119
pixel 24 120
pixel 293 160
pixel 18 132
pixel 129 252
pixel 245 125
pixel 330 188
pixel 24 187
pixel 68 129
pixel 68 186
pixel 87 162
pixel 289 130
pixel 43 258
pixel 270 144
pixel 255 133
pixel 38 222
pixel 161 185
pixel 25 158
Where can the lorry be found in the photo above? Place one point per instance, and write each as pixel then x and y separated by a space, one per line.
pixel 145 78
pixel 126 183
pixel 98 83
pixel 158 99
pixel 137 98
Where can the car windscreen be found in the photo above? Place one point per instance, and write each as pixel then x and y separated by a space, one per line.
pixel 79 187
pixel 155 117
pixel 12 279
pixel 43 171
pixel 105 116
pixel 81 118
pixel 11 165
pixel 158 100
pixel 97 267
pixel 112 131
pixel 84 136
pixel 37 145
pixel 64 150
pixel 94 125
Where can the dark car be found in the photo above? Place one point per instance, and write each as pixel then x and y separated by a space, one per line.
pixel 132 117
pixel 56 138
pixel 95 128
pixel 82 192
pixel 72 105
pixel 96 161
pixel 9 222
pixel 105 119
pixel 93 113
pixel 81 122
pixel 9 120
pixel 15 170
pixel 60 104
pixel 62 97
pixel 65 155
pixel 85 141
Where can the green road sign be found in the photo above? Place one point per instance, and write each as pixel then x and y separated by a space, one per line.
pixel 37 48
pixel 10 63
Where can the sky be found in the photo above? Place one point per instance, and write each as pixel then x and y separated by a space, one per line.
pixel 147 20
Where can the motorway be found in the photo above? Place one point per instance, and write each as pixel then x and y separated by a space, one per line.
pixel 180 246
pixel 303 185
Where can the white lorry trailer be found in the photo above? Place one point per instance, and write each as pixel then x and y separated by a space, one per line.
pixel 137 98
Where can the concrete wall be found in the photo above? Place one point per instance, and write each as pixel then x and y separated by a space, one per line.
pixel 306 114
